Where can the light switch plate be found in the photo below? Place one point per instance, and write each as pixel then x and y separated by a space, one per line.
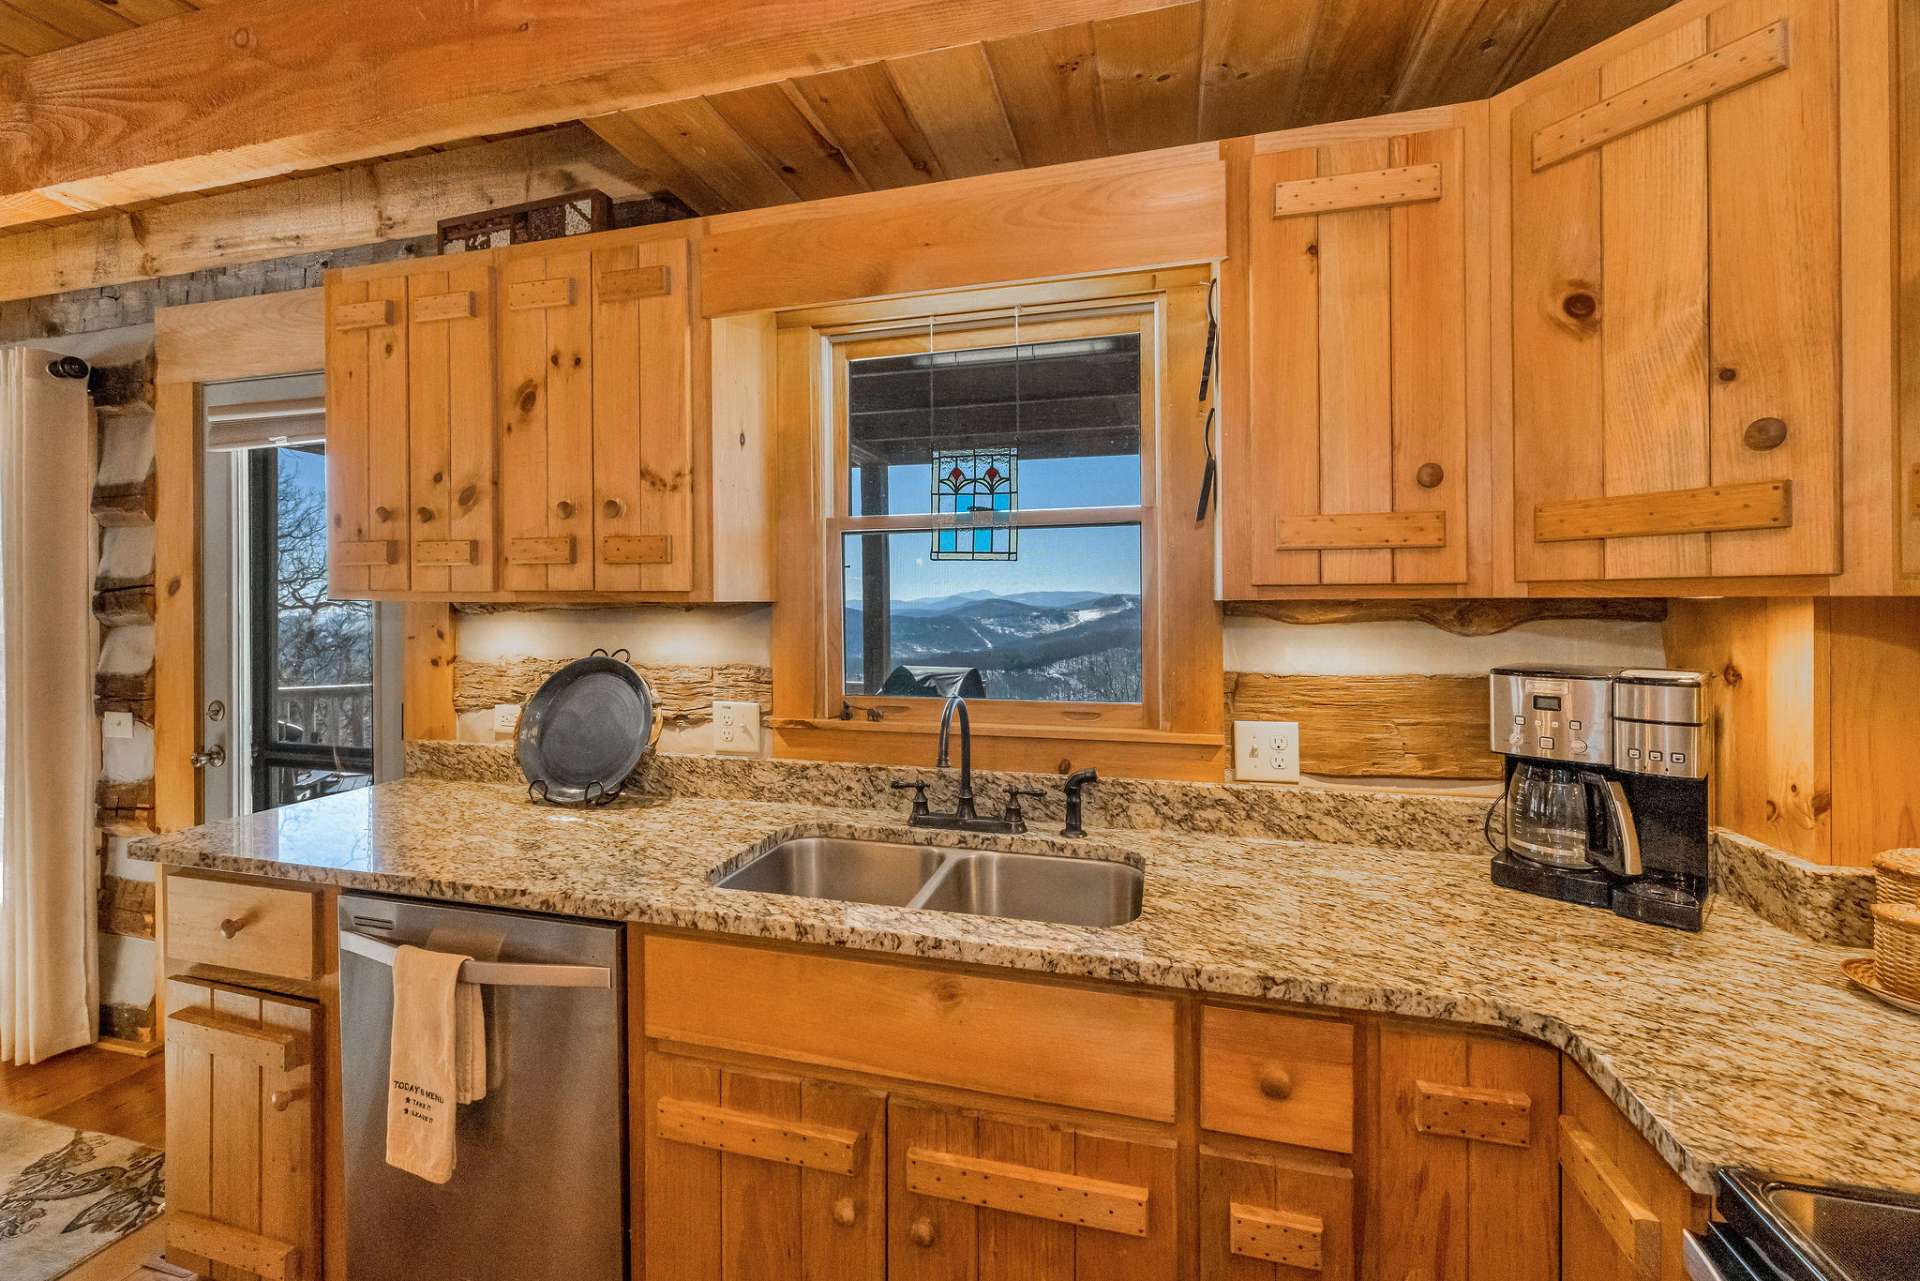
pixel 506 719
pixel 1266 751
pixel 117 725
pixel 736 727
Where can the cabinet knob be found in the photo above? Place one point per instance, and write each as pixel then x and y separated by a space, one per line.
pixel 1276 1082
pixel 383 513
pixel 843 1212
pixel 280 1100
pixel 424 514
pixel 231 926
pixel 466 497
pixel 921 1233
pixel 614 508
pixel 1430 475
pixel 563 509
pixel 1763 434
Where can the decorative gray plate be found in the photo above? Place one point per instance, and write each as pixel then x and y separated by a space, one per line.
pixel 586 729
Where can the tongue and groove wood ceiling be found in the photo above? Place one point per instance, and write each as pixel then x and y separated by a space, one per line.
pixel 1191 72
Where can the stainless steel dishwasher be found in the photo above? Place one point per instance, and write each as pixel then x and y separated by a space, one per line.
pixel 540 1188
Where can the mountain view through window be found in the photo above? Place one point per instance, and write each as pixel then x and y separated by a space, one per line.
pixel 983 602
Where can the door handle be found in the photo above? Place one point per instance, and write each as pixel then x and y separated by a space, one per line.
pixel 214 756
pixel 490 973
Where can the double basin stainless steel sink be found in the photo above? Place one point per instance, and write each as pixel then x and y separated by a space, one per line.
pixel 1024 887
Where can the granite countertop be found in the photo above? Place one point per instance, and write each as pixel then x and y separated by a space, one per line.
pixel 1740 1046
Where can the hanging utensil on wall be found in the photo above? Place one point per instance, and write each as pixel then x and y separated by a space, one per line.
pixel 1209 476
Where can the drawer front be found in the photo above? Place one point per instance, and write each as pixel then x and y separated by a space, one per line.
pixel 1104 1051
pixel 263 929
pixel 1277 1077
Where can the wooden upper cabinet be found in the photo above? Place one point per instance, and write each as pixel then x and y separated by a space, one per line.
pixel 643 460
pixel 546 418
pixel 1675 259
pixel 1349 463
pixel 450 437
pixel 368 528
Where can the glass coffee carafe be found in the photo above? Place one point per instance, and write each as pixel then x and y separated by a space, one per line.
pixel 1547 815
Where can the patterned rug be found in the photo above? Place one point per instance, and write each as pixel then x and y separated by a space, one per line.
pixel 66 1194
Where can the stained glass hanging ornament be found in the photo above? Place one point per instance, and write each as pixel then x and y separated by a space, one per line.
pixel 980 489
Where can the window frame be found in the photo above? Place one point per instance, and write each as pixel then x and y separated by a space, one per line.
pixel 973 332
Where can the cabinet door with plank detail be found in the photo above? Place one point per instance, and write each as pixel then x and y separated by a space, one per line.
pixel 1463 1181
pixel 450 441
pixel 1355 466
pixel 758 1177
pixel 1274 1219
pixel 368 539
pixel 991 1198
pixel 243 1133
pixel 1675 261
pixel 643 456
pixel 546 419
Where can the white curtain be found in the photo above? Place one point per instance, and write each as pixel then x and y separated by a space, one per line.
pixel 49 874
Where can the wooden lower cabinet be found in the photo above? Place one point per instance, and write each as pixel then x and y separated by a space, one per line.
pixel 980 1197
pixel 1460 1186
pixel 1274 1219
pixel 243 1137
pixel 753 1176
pixel 1622 1208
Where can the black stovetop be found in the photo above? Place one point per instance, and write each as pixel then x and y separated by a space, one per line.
pixel 1804 1232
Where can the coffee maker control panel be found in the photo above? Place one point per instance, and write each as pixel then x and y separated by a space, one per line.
pixel 1660 724
pixel 1553 716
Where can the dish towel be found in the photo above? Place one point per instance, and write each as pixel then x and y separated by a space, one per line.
pixel 438 1060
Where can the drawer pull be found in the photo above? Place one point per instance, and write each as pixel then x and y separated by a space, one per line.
pixel 1430 475
pixel 1019 1189
pixel 1277 1236
pixel 237 1248
pixel 1633 1227
pixel 921 1233
pixel 844 1212
pixel 1276 1082
pixel 275 1049
pixel 563 509
pixel 613 508
pixel 230 927
pixel 1480 1116
pixel 811 1147
pixel 1764 434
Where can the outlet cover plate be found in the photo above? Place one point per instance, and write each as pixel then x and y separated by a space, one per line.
pixel 1266 751
pixel 506 719
pixel 736 727
pixel 116 725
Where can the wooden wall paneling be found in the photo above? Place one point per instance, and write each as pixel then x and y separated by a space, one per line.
pixel 1557 357
pixel 701 139
pixel 1149 70
pixel 1902 107
pixel 1280 414
pixel 775 121
pixel 1250 64
pixel 952 96
pixel 1873 652
pixel 1772 153
pixel 389 513
pixel 798 641
pixel 1429 307
pixel 1356 59
pixel 427 708
pixel 1773 776
pixel 1049 84
pixel 1167 208
pixel 176 621
pixel 1188 618
pixel 283 333
pixel 743 391
pixel 1464 51
pixel 864 115
pixel 1376 726
pixel 1356 355
pixel 623 131
pixel 1654 370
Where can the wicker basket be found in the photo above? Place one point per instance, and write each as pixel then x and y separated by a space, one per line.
pixel 1896 878
pixel 1896 948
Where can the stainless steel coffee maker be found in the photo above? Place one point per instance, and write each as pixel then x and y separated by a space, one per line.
pixel 1605 799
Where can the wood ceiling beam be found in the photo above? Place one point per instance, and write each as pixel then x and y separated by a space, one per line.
pixel 259 88
pixel 394 200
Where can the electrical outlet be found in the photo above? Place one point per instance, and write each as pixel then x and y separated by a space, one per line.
pixel 1266 751
pixel 736 727
pixel 506 719
pixel 116 725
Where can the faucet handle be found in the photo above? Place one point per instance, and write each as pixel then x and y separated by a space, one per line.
pixel 920 809
pixel 1076 785
pixel 1016 821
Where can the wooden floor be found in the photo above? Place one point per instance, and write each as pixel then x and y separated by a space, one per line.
pixel 92 1089
pixel 107 1093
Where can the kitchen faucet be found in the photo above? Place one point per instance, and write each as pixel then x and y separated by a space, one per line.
pixel 965 817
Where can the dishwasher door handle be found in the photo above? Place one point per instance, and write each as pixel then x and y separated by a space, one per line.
pixel 491 973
